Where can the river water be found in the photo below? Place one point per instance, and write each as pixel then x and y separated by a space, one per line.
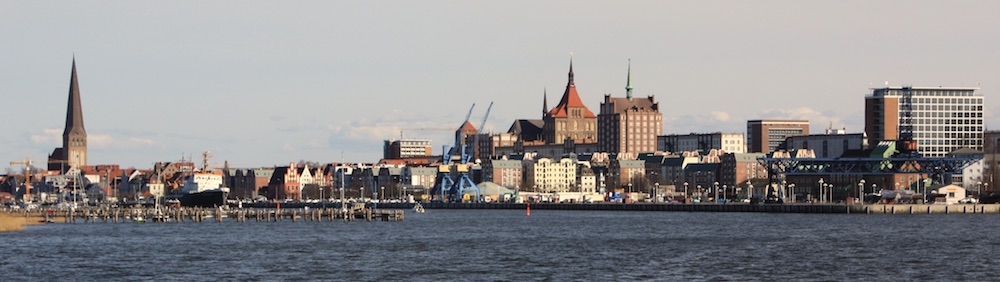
pixel 505 245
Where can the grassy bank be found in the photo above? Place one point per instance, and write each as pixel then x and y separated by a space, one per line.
pixel 10 222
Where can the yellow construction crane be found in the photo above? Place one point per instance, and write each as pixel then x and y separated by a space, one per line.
pixel 27 176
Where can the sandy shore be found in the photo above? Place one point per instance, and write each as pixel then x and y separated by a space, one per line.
pixel 9 222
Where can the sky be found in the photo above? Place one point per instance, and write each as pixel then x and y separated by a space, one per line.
pixel 267 83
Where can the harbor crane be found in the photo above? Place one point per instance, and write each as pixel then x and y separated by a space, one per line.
pixel 447 188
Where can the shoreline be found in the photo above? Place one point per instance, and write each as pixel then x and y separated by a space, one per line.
pixel 11 222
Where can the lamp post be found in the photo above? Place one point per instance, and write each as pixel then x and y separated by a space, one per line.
pixel 685 192
pixel 700 196
pixel 791 193
pixel 821 197
pixel 861 193
pixel 656 186
pixel 784 186
pixel 749 190
pixel 724 188
pixel 716 198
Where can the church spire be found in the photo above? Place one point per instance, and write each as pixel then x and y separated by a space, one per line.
pixel 571 84
pixel 74 112
pixel 545 102
pixel 628 81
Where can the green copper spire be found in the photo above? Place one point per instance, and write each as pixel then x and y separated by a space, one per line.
pixel 628 81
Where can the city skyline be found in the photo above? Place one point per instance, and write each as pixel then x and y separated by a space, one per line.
pixel 264 84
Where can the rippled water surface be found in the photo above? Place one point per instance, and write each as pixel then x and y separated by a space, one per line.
pixel 483 245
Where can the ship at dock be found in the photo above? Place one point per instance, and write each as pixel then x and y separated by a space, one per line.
pixel 204 188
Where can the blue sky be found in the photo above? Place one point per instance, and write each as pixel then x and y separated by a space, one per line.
pixel 265 83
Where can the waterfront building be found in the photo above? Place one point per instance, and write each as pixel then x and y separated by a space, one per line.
pixel 529 130
pixel 827 145
pixel 570 120
pixel 701 178
pixel 489 142
pixel 305 178
pixel 423 177
pixel 672 169
pixel 939 119
pixel 73 153
pixel 262 177
pixel 627 174
pixel 991 159
pixel 284 184
pixel 507 173
pixel 972 175
pixel 548 176
pixel 629 125
pixel 406 148
pixel 702 142
pixel 586 177
pixel 547 150
pixel 765 135
pixel 736 169
pixel 241 182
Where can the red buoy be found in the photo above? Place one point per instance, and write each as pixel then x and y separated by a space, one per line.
pixel 528 211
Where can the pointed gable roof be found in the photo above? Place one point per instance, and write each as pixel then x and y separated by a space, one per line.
pixel 570 99
pixel 468 127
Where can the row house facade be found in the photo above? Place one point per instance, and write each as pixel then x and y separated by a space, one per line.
pixel 285 184
pixel 549 176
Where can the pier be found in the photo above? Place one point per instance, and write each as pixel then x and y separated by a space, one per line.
pixel 197 215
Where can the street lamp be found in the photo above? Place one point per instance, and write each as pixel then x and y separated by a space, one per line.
pixel 700 195
pixel 685 192
pixel 656 186
pixel 821 197
pixel 791 193
pixel 716 198
pixel 861 195
pixel 724 188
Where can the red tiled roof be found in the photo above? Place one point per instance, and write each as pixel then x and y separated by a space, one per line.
pixel 570 99
pixel 468 127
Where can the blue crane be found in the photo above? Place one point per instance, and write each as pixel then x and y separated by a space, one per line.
pixel 465 183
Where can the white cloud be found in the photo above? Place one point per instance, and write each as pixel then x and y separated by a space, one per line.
pixel 99 140
pixel 48 137
pixel 141 141
pixel 817 120
pixel 720 116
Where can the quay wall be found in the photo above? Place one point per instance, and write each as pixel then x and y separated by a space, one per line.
pixel 758 208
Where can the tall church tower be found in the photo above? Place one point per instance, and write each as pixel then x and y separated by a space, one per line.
pixel 73 153
pixel 570 119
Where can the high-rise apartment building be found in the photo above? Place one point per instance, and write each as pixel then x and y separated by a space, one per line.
pixel 765 135
pixel 629 125
pixel 939 119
